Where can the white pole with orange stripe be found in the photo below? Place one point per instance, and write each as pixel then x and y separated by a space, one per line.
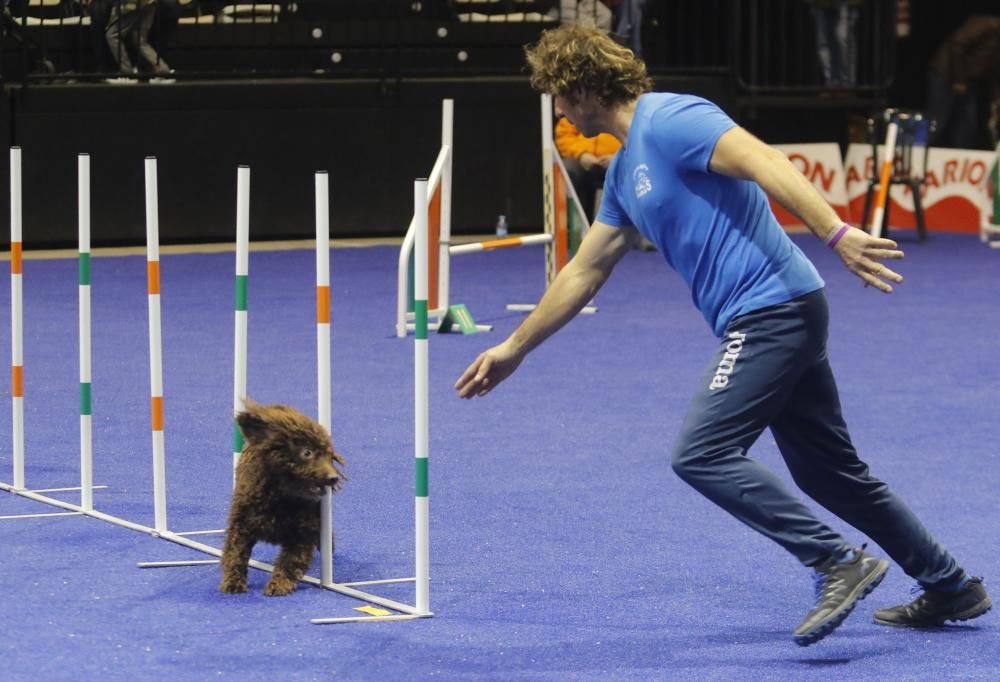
pixel 444 236
pixel 885 177
pixel 508 243
pixel 16 317
pixel 323 360
pixel 155 347
pixel 86 418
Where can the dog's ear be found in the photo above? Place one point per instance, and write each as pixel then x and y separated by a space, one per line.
pixel 252 422
pixel 337 457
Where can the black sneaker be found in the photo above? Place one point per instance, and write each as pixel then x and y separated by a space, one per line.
pixel 839 587
pixel 932 609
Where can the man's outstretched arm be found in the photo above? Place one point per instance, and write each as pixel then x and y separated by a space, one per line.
pixel 571 290
pixel 741 155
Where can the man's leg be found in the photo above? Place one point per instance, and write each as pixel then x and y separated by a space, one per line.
pixel 814 441
pixel 119 33
pixel 751 379
pixel 745 387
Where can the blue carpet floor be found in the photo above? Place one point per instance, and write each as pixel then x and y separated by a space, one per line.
pixel 563 547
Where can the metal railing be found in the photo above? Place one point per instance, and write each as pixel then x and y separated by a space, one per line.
pixel 765 46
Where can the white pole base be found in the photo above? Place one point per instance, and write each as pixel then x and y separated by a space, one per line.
pixel 172 564
pixel 368 619
pixel 528 307
pixel 63 490
pixel 39 516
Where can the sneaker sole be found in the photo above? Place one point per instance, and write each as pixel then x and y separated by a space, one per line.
pixel 861 591
pixel 970 613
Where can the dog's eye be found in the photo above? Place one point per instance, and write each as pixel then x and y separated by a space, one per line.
pixel 307 454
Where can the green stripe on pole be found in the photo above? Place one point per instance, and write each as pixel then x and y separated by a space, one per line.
pixel 421 476
pixel 420 314
pixel 241 292
pixel 237 438
pixel 84 269
pixel 85 398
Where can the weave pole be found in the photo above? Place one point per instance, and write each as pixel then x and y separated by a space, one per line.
pixel 885 178
pixel 155 347
pixel 16 318
pixel 242 275
pixel 421 399
pixel 323 362
pixel 86 416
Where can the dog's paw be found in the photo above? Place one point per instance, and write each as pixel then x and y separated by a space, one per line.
pixel 234 586
pixel 279 586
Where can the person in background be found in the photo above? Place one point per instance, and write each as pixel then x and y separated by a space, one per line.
pixel 586 160
pixel 836 40
pixel 585 13
pixel 964 70
pixel 129 26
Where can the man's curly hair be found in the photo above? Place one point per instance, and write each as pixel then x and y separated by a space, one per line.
pixel 573 59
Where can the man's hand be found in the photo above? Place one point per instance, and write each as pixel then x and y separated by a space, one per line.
pixel 862 254
pixel 488 370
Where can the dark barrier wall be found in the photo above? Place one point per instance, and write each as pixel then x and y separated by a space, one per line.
pixel 373 137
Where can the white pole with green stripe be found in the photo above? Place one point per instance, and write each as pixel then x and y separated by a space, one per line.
pixel 155 347
pixel 16 318
pixel 421 398
pixel 242 274
pixel 323 361
pixel 86 418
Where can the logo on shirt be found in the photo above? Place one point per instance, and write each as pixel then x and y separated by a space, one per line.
pixel 728 362
pixel 642 183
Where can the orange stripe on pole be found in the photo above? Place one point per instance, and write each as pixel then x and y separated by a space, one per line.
pixel 15 258
pixel 883 185
pixel 17 381
pixel 561 236
pixel 433 246
pixel 153 276
pixel 501 243
pixel 157 404
pixel 323 305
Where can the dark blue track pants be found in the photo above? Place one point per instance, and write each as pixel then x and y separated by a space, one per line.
pixel 771 370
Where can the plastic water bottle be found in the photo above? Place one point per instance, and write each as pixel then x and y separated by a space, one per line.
pixel 501 226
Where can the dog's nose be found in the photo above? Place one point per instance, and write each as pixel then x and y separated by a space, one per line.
pixel 331 481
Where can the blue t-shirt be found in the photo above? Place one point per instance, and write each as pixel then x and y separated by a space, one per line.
pixel 717 232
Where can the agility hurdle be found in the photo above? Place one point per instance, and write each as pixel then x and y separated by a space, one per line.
pixel 564 218
pixel 160 528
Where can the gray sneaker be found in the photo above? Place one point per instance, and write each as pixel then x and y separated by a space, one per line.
pixel 839 588
pixel 933 608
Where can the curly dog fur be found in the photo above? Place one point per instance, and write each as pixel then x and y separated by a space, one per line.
pixel 286 463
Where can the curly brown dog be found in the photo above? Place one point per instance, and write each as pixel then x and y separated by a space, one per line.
pixel 287 461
